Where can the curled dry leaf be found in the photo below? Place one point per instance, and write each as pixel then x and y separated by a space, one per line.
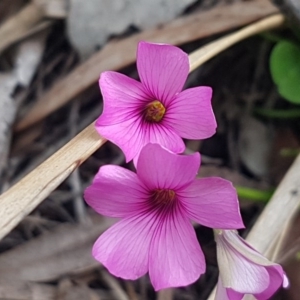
pixel 90 25
pixel 65 250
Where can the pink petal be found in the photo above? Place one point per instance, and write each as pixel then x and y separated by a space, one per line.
pixel 233 295
pixel 160 168
pixel 159 134
pixel 226 294
pixel 190 114
pixel 124 248
pixel 276 278
pixel 221 292
pixel 116 192
pixel 121 120
pixel 122 97
pixel 176 258
pixel 129 136
pixel 237 272
pixel 163 69
pixel 212 202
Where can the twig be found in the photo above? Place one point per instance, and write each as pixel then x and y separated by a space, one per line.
pixel 23 197
pixel 180 31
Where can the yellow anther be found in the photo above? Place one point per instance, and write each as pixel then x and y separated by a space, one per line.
pixel 154 111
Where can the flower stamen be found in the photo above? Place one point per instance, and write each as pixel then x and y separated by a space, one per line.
pixel 163 197
pixel 154 111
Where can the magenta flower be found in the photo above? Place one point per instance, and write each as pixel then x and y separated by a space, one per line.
pixel 243 270
pixel 155 110
pixel 156 205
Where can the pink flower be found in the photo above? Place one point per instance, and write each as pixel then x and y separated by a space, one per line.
pixel 243 270
pixel 156 205
pixel 155 110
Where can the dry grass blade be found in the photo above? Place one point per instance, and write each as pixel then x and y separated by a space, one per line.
pixel 23 197
pixel 118 54
pixel 198 57
pixel 18 25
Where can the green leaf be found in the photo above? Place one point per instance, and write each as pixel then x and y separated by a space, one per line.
pixel 285 70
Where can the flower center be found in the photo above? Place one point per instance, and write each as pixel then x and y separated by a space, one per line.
pixel 154 111
pixel 163 197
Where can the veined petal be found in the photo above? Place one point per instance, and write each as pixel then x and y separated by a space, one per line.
pixel 123 98
pixel 160 168
pixel 233 244
pixel 159 134
pixel 212 202
pixel 124 248
pixel 116 192
pixel 190 114
pixel 246 250
pixel 276 278
pixel 129 136
pixel 233 295
pixel 176 258
pixel 226 294
pixel 237 272
pixel 163 69
pixel 221 292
